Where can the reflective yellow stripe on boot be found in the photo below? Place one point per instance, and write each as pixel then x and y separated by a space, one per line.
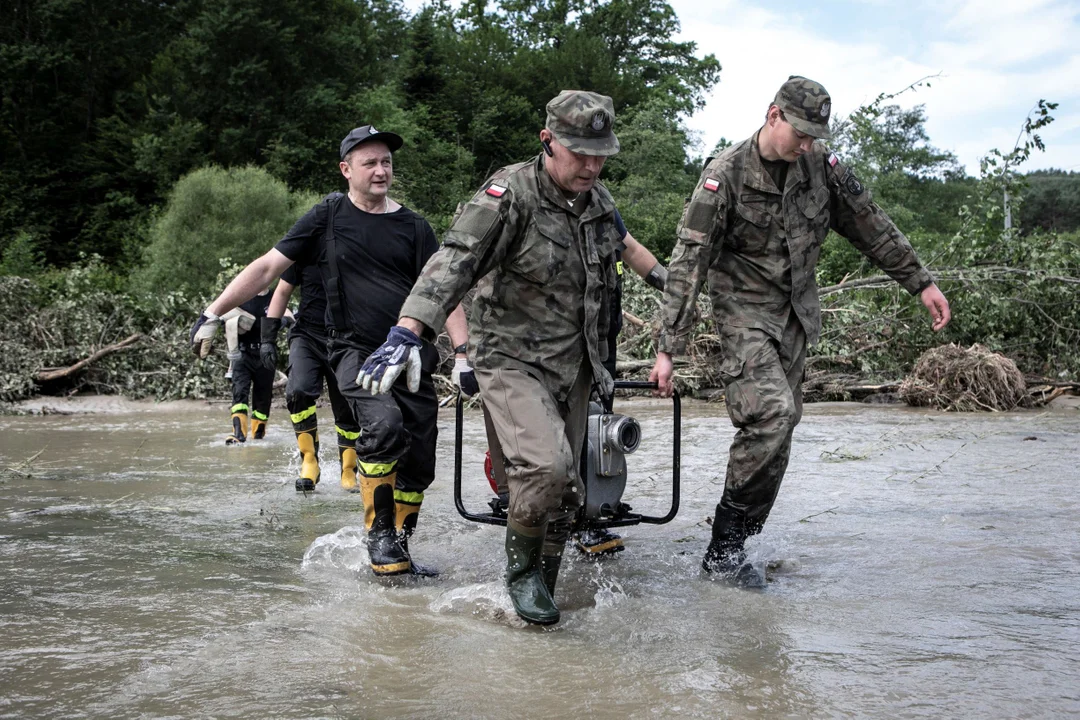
pixel 407 508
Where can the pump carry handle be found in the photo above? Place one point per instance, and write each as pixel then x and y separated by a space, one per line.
pixel 633 519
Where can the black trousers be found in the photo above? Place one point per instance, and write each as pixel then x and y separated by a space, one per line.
pixel 309 365
pixel 251 379
pixel 397 430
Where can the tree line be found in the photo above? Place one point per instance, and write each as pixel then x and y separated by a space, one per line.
pixel 106 105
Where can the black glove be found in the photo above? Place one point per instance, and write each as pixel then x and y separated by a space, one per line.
pixel 268 342
pixel 657 277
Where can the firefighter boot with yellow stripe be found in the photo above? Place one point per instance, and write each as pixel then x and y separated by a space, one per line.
pixel 258 428
pixel 348 469
pixel 308 442
pixel 239 422
pixel 385 553
pixel 407 507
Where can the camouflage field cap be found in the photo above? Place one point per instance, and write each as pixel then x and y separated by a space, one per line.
pixel 806 105
pixel 581 121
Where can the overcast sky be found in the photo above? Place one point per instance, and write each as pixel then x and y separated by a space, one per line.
pixel 996 60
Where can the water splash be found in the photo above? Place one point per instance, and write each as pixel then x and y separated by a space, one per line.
pixel 345 549
pixel 489 601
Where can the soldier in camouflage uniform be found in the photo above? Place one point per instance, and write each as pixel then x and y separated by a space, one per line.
pixel 754 228
pixel 539 240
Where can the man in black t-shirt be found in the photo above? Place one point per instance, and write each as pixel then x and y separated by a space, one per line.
pixel 250 378
pixel 309 364
pixel 370 250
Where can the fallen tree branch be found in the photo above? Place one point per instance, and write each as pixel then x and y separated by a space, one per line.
pixel 982 272
pixel 51 374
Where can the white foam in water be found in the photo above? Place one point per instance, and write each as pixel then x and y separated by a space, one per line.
pixel 610 594
pixel 347 548
pixel 486 600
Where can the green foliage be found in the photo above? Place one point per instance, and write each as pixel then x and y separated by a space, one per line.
pixel 107 107
pixel 982 237
pixel 214 213
pixel 1051 201
pixel 650 178
pixel 66 315
pixel 21 256
pixel 1013 294
pixel 921 187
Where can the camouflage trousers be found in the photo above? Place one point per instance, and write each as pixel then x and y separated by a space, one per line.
pixel 540 439
pixel 763 391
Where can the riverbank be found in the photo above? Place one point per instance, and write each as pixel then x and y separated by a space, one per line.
pixel 117 404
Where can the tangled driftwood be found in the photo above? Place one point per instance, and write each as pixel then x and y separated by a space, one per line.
pixel 950 377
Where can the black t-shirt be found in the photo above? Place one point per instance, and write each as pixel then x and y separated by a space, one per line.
pixel 311 315
pixel 256 306
pixel 777 170
pixel 377 260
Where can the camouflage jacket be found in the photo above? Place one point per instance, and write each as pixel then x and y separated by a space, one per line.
pixel 758 247
pixel 545 271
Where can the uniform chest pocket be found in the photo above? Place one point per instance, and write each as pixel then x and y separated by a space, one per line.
pixel 543 250
pixel 815 208
pixel 751 229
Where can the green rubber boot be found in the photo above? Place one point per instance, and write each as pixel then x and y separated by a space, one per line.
pixel 524 580
pixel 549 569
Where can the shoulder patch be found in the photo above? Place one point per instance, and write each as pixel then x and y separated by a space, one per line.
pixel 833 159
pixel 711 184
pixel 496 190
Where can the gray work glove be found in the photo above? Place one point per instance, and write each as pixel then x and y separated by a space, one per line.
pixel 464 377
pixel 203 332
pixel 400 352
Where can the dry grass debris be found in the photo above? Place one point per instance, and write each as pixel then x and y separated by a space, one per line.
pixel 949 377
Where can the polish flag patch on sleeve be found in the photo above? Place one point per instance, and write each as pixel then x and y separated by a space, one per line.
pixel 712 184
pixel 833 159
pixel 496 190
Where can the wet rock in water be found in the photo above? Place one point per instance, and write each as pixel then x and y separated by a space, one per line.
pixel 950 377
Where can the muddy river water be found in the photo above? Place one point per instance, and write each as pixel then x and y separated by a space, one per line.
pixel 921 565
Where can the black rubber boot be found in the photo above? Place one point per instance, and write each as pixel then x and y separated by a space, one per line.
pixel 384 547
pixel 524 581
pixel 725 556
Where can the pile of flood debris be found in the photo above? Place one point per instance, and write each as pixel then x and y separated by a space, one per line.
pixel 950 377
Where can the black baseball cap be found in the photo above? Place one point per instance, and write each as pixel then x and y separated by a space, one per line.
pixel 366 133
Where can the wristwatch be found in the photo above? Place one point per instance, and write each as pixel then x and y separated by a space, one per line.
pixel 461 349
